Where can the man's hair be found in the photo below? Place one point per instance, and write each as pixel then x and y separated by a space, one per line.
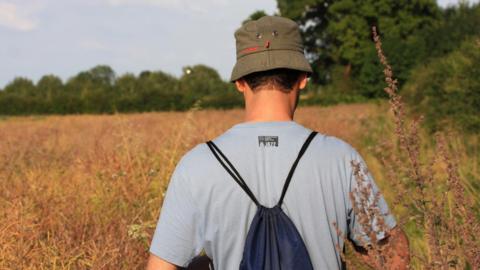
pixel 281 78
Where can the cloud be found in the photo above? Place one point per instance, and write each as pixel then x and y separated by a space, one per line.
pixel 445 3
pixel 161 3
pixel 94 45
pixel 16 18
pixel 198 5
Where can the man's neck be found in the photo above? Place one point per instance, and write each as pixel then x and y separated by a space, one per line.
pixel 267 117
pixel 266 106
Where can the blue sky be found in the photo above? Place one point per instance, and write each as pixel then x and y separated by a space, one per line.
pixel 64 37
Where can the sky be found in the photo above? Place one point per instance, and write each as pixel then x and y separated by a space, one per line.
pixel 64 37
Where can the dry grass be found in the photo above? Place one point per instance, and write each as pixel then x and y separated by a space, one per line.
pixel 84 192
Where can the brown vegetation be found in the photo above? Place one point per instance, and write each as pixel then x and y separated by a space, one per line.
pixel 84 192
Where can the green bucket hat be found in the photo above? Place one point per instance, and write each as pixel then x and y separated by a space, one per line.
pixel 268 43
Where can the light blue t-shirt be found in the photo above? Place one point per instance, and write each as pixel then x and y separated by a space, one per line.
pixel 205 209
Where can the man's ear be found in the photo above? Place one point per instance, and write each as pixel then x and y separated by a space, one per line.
pixel 302 81
pixel 241 85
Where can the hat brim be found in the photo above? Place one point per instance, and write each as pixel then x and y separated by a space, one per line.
pixel 268 60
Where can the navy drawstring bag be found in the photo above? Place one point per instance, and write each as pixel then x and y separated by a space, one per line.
pixel 273 242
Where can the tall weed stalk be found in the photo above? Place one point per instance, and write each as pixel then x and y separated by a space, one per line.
pixel 431 203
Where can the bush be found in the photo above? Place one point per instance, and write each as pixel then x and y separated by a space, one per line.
pixel 447 90
pixel 338 92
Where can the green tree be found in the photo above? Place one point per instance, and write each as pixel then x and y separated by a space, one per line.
pixel 126 97
pixel 92 91
pixel 103 75
pixel 255 16
pixel 447 90
pixel 20 97
pixel 198 82
pixel 50 89
pixel 49 85
pixel 338 33
pixel 457 24
pixel 158 91
pixel 21 86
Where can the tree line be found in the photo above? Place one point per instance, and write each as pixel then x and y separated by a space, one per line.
pixel 99 90
pixel 419 37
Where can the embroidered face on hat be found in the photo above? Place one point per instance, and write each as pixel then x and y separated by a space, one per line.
pixel 268 43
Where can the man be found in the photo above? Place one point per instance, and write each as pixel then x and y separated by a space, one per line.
pixel 204 209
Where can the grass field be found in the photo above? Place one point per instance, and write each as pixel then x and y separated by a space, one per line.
pixel 84 192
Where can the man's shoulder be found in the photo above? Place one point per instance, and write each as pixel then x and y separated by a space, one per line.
pixel 333 146
pixel 193 158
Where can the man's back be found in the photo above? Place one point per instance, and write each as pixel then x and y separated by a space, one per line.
pixel 205 208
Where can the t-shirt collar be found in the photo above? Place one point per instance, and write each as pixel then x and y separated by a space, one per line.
pixel 262 124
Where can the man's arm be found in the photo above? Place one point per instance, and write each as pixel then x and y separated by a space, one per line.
pixel 177 238
pixel 156 263
pixel 396 253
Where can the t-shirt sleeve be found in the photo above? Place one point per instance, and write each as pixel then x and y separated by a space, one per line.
pixel 360 183
pixel 177 238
